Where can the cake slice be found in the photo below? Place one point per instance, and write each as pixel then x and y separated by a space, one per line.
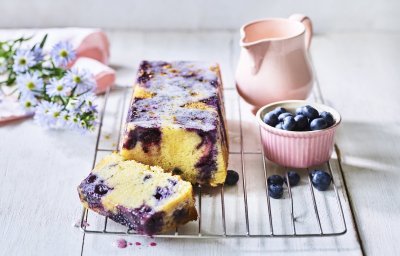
pixel 141 197
pixel 176 120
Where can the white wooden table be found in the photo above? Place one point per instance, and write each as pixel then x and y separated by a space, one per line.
pixel 358 73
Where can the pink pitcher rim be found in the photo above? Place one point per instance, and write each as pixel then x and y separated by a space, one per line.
pixel 243 34
pixel 298 134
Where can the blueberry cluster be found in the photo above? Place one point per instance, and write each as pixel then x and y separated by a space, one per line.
pixel 306 118
pixel 275 183
pixel 321 180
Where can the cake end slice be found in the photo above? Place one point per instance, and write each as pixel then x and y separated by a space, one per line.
pixel 144 198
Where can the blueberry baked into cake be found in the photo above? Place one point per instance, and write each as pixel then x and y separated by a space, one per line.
pixel 176 121
pixel 141 197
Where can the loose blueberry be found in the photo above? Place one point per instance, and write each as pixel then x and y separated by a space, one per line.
pixel 301 122
pixel 279 126
pixel 271 119
pixel 232 178
pixel 275 179
pixel 275 191
pixel 283 115
pixel 289 124
pixel 294 178
pixel 318 124
pixel 279 110
pixel 320 180
pixel 310 112
pixel 328 118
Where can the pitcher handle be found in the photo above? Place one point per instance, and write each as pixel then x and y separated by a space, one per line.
pixel 307 24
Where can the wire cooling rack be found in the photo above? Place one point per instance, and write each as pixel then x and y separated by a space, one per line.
pixel 246 210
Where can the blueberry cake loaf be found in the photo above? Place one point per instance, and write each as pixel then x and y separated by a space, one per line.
pixel 144 198
pixel 176 120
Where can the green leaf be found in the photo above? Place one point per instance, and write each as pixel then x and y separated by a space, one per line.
pixel 43 41
pixel 20 40
pixel 11 79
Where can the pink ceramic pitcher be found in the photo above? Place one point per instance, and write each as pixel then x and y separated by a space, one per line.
pixel 274 63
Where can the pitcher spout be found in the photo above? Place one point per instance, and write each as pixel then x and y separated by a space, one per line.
pixel 257 52
pixel 255 45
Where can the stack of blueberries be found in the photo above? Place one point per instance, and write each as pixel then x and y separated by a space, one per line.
pixel 306 118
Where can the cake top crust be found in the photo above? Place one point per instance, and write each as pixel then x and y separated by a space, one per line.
pixel 182 94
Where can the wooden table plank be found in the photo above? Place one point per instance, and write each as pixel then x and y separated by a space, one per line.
pixel 360 77
pixel 39 172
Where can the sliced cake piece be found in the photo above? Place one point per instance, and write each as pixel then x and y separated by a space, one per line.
pixel 141 197
pixel 176 120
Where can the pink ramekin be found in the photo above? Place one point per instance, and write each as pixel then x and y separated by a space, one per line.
pixel 297 149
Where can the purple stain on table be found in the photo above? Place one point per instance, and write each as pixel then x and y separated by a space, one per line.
pixel 85 224
pixel 153 244
pixel 82 224
pixel 121 243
